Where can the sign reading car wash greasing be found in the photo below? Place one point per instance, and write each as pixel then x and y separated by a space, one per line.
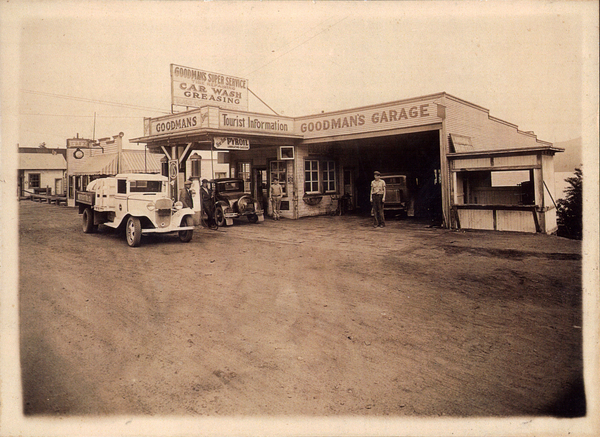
pixel 196 88
pixel 393 116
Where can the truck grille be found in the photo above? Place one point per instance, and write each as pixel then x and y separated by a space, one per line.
pixel 163 220
pixel 162 204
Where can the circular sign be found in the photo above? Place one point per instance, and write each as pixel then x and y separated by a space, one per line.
pixel 78 153
pixel 173 170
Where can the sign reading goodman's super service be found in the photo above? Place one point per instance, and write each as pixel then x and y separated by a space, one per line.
pixel 196 88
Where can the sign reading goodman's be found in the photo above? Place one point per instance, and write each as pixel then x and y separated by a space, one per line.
pixel 195 88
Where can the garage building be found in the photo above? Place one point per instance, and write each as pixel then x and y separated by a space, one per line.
pixel 464 168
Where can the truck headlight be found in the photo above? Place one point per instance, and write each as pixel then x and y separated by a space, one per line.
pixel 151 206
pixel 178 205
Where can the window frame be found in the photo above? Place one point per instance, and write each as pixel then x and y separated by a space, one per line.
pixel 281 169
pixel 312 172
pixel 31 177
pixel 328 172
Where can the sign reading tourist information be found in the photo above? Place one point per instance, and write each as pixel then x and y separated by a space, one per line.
pixel 196 88
pixel 232 143
pixel 265 124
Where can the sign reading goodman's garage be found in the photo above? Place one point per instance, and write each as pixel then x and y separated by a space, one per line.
pixel 195 88
pixel 370 119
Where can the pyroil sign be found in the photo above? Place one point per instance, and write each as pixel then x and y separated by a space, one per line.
pixel 232 143
pixel 195 88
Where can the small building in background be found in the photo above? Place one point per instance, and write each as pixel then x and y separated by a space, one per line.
pixel 92 159
pixel 41 169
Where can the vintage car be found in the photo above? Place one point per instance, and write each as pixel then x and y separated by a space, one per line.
pixel 232 202
pixel 138 203
pixel 398 197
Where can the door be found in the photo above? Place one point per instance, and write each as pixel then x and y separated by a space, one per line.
pixel 21 181
pixel 349 187
pixel 260 188
pixel 58 190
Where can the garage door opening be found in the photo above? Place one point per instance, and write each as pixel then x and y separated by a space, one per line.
pixel 415 156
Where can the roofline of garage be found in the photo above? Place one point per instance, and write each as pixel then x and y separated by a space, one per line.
pixel 500 152
pixel 373 134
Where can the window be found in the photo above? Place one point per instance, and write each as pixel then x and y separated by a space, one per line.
pixel 329 176
pixel 34 180
pixel 122 186
pixel 279 171
pixel 495 188
pixel 145 186
pixel 311 176
pixel 244 174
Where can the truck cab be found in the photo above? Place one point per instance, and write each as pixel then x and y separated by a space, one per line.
pixel 139 203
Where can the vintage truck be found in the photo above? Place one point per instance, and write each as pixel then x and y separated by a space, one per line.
pixel 139 203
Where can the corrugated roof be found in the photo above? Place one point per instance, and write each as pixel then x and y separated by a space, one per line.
pixel 133 161
pixel 41 161
pixel 136 161
pixel 99 165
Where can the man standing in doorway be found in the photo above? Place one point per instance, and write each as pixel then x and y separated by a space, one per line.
pixel 377 200
pixel 275 194
pixel 208 204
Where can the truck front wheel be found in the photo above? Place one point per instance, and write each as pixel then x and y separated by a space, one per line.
pixel 88 221
pixel 133 232
pixel 186 236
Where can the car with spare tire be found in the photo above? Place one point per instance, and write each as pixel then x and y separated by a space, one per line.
pixel 232 201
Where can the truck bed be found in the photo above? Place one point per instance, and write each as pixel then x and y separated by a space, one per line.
pixel 85 197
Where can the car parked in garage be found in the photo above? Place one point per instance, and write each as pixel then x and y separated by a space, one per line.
pixel 231 201
pixel 398 196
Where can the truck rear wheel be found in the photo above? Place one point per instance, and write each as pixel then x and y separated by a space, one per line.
pixel 186 236
pixel 88 221
pixel 133 232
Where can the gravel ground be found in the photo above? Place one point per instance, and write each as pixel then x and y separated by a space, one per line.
pixel 317 317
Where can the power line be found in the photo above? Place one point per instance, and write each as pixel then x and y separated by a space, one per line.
pixel 103 102
pixel 286 45
pixel 263 102
pixel 296 46
pixel 285 53
pixel 81 116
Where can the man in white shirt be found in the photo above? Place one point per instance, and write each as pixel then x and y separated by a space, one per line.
pixel 377 200
pixel 276 194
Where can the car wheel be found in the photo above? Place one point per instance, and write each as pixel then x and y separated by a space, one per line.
pixel 133 232
pixel 88 221
pixel 253 218
pixel 220 217
pixel 186 236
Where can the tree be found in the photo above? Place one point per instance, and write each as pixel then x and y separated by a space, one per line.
pixel 570 209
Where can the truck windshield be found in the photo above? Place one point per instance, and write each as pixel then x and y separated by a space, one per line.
pixel 145 186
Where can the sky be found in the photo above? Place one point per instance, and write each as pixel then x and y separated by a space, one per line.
pixel 95 69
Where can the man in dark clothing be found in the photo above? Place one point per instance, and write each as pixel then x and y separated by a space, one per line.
pixel 185 195
pixel 208 204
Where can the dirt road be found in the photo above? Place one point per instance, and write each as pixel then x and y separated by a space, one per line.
pixel 321 316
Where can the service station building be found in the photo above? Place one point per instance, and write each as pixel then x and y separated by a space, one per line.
pixel 456 156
